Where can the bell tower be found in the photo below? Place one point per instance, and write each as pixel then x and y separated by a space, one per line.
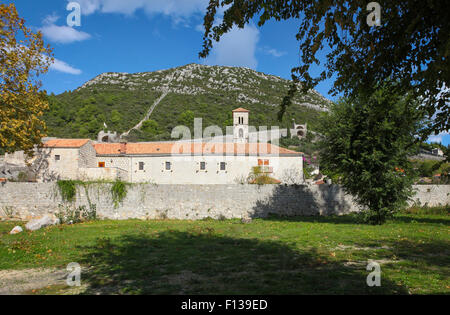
pixel 240 125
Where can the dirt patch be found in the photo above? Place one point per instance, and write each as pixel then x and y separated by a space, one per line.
pixel 25 280
pixel 360 264
pixel 345 247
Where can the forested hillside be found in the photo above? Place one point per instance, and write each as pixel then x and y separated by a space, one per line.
pixel 121 100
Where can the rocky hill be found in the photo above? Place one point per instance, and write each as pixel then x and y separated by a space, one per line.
pixel 158 101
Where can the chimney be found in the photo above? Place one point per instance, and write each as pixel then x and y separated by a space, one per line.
pixel 123 148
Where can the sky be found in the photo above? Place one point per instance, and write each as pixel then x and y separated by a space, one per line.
pixel 148 35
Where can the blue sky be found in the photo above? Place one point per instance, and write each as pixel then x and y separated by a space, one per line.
pixel 148 35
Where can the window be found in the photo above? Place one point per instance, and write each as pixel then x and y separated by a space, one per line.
pixel 202 166
pixel 222 166
pixel 241 133
pixel 168 166
pixel 263 162
pixel 57 157
pixel 141 166
pixel 101 164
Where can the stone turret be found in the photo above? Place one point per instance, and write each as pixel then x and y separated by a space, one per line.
pixel 298 131
pixel 108 136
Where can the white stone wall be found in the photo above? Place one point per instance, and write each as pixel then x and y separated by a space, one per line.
pixel 121 162
pixel 431 195
pixel 17 158
pixel 88 156
pixel 102 173
pixel 143 201
pixel 186 169
pixel 67 166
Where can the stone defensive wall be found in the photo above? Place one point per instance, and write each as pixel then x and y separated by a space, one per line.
pixel 150 201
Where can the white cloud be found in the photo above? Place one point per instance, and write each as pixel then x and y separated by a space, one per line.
pixel 200 28
pixel 50 19
pixel 439 137
pixel 61 66
pixel 174 8
pixel 274 52
pixel 236 48
pixel 89 6
pixel 61 34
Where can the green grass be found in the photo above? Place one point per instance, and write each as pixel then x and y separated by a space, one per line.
pixel 302 255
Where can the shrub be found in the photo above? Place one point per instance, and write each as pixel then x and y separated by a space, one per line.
pixel 417 209
pixel 118 192
pixel 257 176
pixel 72 215
pixel 68 189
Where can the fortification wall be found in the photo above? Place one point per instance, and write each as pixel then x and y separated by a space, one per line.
pixel 146 201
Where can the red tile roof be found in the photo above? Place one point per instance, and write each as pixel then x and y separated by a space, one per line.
pixel 66 143
pixel 240 109
pixel 192 148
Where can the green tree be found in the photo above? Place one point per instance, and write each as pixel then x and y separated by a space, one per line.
pixel 411 46
pixel 150 127
pixel 186 118
pixel 367 140
pixel 116 117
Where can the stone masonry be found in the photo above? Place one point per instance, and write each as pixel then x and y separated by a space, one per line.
pixel 150 201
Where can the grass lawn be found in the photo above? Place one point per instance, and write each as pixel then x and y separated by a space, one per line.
pixel 302 255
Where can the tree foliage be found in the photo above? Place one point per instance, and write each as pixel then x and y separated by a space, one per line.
pixel 411 46
pixel 367 140
pixel 23 57
pixel 150 127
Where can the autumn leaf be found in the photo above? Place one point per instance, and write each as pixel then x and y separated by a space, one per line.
pixel 22 103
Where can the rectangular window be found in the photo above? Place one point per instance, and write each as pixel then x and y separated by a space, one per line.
pixel 260 162
pixel 202 166
pixel 168 166
pixel 101 164
pixel 57 157
pixel 141 166
pixel 222 166
pixel 266 162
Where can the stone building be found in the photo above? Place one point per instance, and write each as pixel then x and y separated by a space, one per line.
pixel 437 152
pixel 199 162
pixel 176 162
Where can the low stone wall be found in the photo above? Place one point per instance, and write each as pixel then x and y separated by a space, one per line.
pixel 431 195
pixel 147 201
pixel 102 173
